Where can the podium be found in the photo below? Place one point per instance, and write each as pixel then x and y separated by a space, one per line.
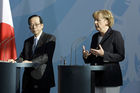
pixel 8 75
pixel 77 78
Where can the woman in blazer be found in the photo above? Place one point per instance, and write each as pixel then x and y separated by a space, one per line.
pixel 107 49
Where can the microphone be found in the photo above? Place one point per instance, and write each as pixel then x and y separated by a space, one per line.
pixel 73 45
pixel 76 43
pixel 71 54
pixel 2 42
pixel 5 42
pixel 80 40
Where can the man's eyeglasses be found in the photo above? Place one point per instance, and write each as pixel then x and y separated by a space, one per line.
pixel 32 25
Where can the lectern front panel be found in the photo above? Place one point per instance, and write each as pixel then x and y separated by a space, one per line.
pixel 7 77
pixel 74 79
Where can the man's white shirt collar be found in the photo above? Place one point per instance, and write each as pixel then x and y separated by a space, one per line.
pixel 38 37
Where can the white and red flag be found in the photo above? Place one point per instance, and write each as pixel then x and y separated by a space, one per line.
pixel 7 36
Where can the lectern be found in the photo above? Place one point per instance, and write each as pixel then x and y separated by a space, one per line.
pixel 8 75
pixel 76 78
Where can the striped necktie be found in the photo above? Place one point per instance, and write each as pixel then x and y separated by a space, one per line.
pixel 34 45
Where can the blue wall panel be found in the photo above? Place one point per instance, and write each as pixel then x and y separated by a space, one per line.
pixel 72 23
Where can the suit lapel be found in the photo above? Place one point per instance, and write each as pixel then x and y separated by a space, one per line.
pixel 107 34
pixel 41 40
pixel 30 46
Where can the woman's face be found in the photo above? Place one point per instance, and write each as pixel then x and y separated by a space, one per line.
pixel 100 23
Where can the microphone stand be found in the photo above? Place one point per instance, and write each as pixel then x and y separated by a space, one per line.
pixel 71 53
pixel 8 40
pixel 79 40
pixel 5 40
pixel 74 45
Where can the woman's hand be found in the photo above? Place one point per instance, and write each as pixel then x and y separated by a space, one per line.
pixel 98 52
pixel 85 52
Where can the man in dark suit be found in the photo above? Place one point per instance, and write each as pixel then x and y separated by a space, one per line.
pixel 38 49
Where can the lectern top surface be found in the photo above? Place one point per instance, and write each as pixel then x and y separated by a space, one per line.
pixel 92 68
pixel 20 64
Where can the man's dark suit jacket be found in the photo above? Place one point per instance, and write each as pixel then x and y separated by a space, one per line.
pixel 114 52
pixel 43 74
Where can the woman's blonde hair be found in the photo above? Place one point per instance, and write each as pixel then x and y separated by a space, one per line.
pixel 106 14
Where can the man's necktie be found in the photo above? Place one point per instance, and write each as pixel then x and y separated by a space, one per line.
pixel 34 45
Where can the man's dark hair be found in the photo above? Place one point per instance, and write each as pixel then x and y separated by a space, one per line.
pixel 41 21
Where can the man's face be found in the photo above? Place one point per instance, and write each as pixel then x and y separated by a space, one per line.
pixel 35 26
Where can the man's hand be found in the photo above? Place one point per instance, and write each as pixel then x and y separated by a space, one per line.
pixel 27 61
pixel 11 60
